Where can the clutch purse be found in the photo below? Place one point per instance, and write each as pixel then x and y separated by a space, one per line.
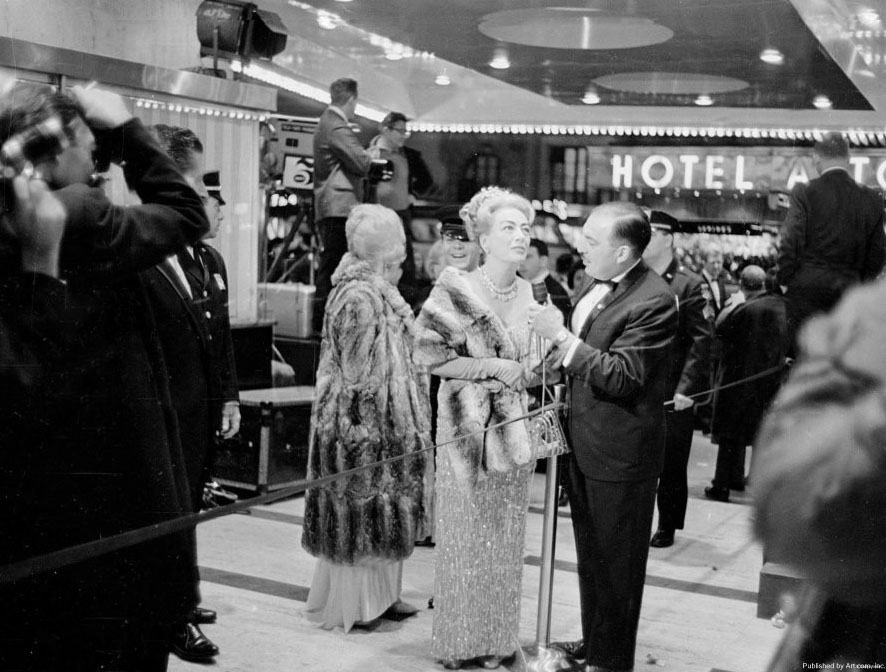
pixel 548 438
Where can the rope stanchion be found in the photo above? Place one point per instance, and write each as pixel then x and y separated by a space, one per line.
pixel 47 562
pixel 762 374
pixel 56 559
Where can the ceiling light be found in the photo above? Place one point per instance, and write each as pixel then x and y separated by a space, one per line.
pixel 394 55
pixel 822 102
pixel 772 56
pixel 869 17
pixel 327 20
pixel 704 100
pixel 500 59
pixel 442 80
pixel 591 97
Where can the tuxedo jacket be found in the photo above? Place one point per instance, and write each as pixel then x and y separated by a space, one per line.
pixel 559 296
pixel 618 379
pixel 340 164
pixel 710 296
pixel 833 224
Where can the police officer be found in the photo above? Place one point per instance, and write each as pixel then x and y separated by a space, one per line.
pixel 689 372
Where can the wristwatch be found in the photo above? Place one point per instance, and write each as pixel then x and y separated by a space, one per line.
pixel 561 337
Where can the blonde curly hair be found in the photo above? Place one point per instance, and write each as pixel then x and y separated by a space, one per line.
pixel 469 210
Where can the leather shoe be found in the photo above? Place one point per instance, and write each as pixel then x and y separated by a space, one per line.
pixel 577 649
pixel 188 643
pixel 453 663
pixel 202 616
pixel 563 499
pixel 717 493
pixel 662 538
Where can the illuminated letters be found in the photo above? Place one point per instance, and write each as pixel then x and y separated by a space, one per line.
pixel 622 172
pixel 740 182
pixel 798 174
pixel 646 171
pixel 712 171
pixel 688 160
pixel 859 162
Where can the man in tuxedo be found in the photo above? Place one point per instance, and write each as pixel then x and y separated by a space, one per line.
pixel 535 269
pixel 615 355
pixel 712 273
pixel 690 373
pixel 188 294
pixel 832 236
pixel 340 166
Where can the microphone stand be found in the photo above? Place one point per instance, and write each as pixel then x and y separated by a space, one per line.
pixel 549 524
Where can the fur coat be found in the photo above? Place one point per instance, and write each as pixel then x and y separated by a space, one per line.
pixel 454 322
pixel 371 404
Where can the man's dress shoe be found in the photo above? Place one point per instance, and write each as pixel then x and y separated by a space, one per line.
pixel 188 643
pixel 662 538
pixel 202 616
pixel 577 649
pixel 716 493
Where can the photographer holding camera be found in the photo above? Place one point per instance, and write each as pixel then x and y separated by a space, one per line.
pixel 97 459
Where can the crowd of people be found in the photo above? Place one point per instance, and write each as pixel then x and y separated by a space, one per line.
pixel 118 376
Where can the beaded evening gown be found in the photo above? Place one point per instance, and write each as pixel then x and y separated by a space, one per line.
pixel 480 519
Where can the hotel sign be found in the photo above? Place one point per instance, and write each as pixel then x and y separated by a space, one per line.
pixel 726 168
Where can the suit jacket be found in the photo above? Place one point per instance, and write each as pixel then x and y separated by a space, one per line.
pixel 618 379
pixel 754 337
pixel 690 369
pixel 836 224
pixel 559 296
pixel 340 164
pixel 709 294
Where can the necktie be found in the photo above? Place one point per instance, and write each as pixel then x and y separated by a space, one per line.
pixel 193 268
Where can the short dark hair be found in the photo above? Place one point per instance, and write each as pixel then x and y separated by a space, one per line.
pixel 630 226
pixel 564 263
pixel 178 142
pixel 539 245
pixel 832 146
pixel 342 90
pixel 393 118
pixel 24 107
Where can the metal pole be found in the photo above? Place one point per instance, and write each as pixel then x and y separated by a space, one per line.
pixel 548 538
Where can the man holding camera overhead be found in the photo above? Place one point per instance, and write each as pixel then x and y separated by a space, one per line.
pixel 103 461
pixel 340 168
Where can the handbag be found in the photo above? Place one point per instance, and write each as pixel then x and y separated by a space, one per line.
pixel 545 430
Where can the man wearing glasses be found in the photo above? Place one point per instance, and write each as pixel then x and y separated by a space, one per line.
pixel 396 194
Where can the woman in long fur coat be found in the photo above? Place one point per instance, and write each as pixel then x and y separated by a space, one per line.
pixel 371 404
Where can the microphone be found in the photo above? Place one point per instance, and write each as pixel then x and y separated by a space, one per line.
pixel 540 292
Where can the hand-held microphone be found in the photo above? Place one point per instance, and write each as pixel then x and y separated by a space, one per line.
pixel 540 292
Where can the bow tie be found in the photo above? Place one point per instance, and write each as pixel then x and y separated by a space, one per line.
pixel 607 283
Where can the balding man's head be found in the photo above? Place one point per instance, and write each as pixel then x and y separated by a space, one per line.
pixel 752 280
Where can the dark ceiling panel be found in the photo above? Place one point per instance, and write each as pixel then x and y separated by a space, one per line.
pixel 712 37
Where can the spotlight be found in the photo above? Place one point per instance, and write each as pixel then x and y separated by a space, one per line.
pixel 772 56
pixel 822 102
pixel 500 59
pixel 704 100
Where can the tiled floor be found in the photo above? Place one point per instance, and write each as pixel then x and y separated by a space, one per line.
pixel 698 609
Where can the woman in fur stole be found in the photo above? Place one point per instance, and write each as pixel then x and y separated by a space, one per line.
pixel 371 404
pixel 473 333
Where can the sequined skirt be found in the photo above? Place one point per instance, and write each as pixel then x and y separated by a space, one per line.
pixel 479 562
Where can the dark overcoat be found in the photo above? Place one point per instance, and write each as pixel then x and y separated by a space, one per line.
pixel 105 462
pixel 753 338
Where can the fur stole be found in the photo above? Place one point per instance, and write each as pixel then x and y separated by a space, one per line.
pixel 455 322
pixel 371 404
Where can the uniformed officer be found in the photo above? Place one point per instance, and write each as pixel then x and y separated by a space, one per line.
pixel 689 372
pixel 188 293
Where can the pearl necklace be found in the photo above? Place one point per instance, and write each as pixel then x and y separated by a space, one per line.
pixel 505 295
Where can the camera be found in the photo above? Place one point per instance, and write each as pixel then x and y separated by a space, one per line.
pixel 380 170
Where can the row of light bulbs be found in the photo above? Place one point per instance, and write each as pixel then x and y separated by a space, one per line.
pixel 855 137
pixel 239 115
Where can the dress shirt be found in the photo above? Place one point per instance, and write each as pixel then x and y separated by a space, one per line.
pixel 180 272
pixel 715 288
pixel 586 306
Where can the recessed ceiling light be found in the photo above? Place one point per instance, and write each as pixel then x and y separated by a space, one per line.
pixel 393 55
pixel 442 80
pixel 772 56
pixel 591 97
pixel 822 102
pixel 327 20
pixel 704 100
pixel 500 59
